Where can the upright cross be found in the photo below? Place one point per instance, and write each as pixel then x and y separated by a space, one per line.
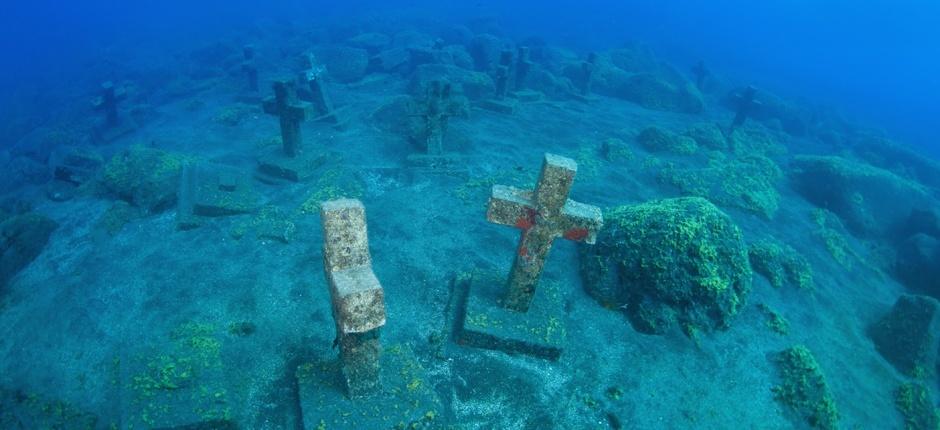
pixel 312 80
pixel 248 66
pixel 357 297
pixel 588 67
pixel 502 74
pixel 107 102
pixel 543 216
pixel 291 113
pixel 439 110
pixel 523 65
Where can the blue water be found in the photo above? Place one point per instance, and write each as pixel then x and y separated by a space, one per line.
pixel 132 297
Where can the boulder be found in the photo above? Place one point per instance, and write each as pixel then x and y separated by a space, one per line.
pixel 22 238
pixel 144 177
pixel 908 335
pixel 371 42
pixel 655 139
pixel 485 50
pixel 917 263
pixel 898 159
pixel 708 135
pixel 773 111
pixel 780 264
pixel 871 201
pixel 669 261
pixel 654 92
pixel 345 64
pixel 473 85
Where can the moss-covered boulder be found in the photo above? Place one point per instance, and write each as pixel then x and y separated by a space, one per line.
pixel 871 201
pixel 803 389
pixel 666 262
pixel 654 91
pixel 708 135
pixel 343 63
pixel 745 182
pixel 917 263
pixel 22 238
pixel 656 139
pixel 916 405
pixel 780 264
pixel 908 336
pixel 144 177
pixel 473 85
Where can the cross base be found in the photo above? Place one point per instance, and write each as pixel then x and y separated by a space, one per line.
pixel 589 98
pixel 104 133
pixel 213 191
pixel 504 106
pixel 444 163
pixel 528 96
pixel 486 324
pixel 276 167
pixel 405 399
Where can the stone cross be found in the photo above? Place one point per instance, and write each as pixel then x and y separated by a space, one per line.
pixel 747 103
pixel 312 81
pixel 588 67
pixel 502 75
pixel 543 216
pixel 107 102
pixel 357 297
pixel 291 113
pixel 523 65
pixel 437 113
pixel 248 66
pixel 700 72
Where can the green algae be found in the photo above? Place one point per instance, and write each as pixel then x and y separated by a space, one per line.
pixel 780 264
pixel 804 390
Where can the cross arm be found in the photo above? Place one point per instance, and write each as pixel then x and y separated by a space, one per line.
pixel 581 222
pixel 511 206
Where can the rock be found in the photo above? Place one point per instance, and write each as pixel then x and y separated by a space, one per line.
pixel 669 261
pixel 655 139
pixel 654 92
pixel 412 39
pixel 344 64
pixel 145 177
pixel 748 183
pixel 458 56
pixel 708 135
pixel 633 59
pixel 780 264
pixel 898 159
pixel 540 79
pixel 59 191
pixel 772 110
pixel 393 116
pixel 371 42
pixel 917 263
pixel 916 405
pixel 473 85
pixel 804 390
pixel 871 201
pixel 75 165
pixel 908 335
pixel 485 50
pixel 22 238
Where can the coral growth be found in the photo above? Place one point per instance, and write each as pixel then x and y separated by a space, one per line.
pixel 804 389
pixel 780 264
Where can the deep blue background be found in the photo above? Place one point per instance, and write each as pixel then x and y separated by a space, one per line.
pixel 878 60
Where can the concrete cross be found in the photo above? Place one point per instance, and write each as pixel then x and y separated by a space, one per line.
pixel 107 102
pixel 502 74
pixel 543 216
pixel 291 113
pixel 248 66
pixel 523 65
pixel 358 300
pixel 438 111
pixel 587 68
pixel 312 81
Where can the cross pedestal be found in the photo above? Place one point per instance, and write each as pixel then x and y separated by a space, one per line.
pixel 208 191
pixel 543 215
pixel 290 162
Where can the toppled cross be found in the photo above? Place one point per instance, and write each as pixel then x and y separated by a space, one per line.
pixel 291 113
pixel 357 297
pixel 313 90
pixel 543 216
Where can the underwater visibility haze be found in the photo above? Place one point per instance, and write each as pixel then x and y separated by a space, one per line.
pixel 469 215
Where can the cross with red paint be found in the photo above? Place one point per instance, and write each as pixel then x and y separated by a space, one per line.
pixel 543 216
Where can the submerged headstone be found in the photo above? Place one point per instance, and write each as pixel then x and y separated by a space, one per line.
pixel 543 215
pixel 313 90
pixel 503 79
pixel 208 191
pixel 523 66
pixel 113 126
pixel 439 107
pixel 291 162
pixel 745 104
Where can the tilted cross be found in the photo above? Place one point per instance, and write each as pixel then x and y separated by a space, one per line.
pixel 543 216
pixel 291 113
pixel 107 102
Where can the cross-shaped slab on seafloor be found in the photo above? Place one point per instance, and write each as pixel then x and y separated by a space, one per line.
pixel 543 215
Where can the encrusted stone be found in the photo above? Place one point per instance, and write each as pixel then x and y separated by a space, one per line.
pixel 908 335
pixel 213 191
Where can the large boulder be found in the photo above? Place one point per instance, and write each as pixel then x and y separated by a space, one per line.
pixel 343 63
pixel 871 201
pixel 669 261
pixel 144 177
pixel 772 110
pixel 473 85
pixel 907 336
pixel 22 238
pixel 652 91
pixel 898 159
pixel 485 50
pixel 917 263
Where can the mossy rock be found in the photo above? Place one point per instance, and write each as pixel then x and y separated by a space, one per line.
pixel 804 390
pixel 708 135
pixel 654 92
pixel 343 63
pixel 669 261
pixel 914 402
pixel 656 139
pixel 748 182
pixel 780 264
pixel 22 238
pixel 871 201
pixel 144 177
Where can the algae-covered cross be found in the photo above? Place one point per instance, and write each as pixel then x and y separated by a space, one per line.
pixel 543 216
pixel 291 113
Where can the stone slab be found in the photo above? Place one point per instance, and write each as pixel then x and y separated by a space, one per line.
pixel 407 399
pixel 446 163
pixel 208 191
pixel 485 323
pixel 275 166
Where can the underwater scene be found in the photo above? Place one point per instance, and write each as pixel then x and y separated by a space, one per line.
pixel 476 215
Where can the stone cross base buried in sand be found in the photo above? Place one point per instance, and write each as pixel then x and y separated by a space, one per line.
pixel 292 162
pixel 527 322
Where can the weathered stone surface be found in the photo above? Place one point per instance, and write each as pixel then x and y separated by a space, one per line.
pixel 274 166
pixel 372 42
pixel 145 177
pixel 871 201
pixel 543 216
pixel 75 165
pixel 474 85
pixel 22 238
pixel 917 263
pixel 485 49
pixel 654 92
pixel 656 139
pixel 540 332
pixel 290 113
pixel 391 60
pixel 344 64
pixel 357 297
pixel 909 335
pixel 708 135
pixel 405 399
pixel 213 191
pixel 669 261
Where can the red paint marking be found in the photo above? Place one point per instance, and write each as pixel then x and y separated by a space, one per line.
pixel 526 221
pixel 523 251
pixel 576 234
